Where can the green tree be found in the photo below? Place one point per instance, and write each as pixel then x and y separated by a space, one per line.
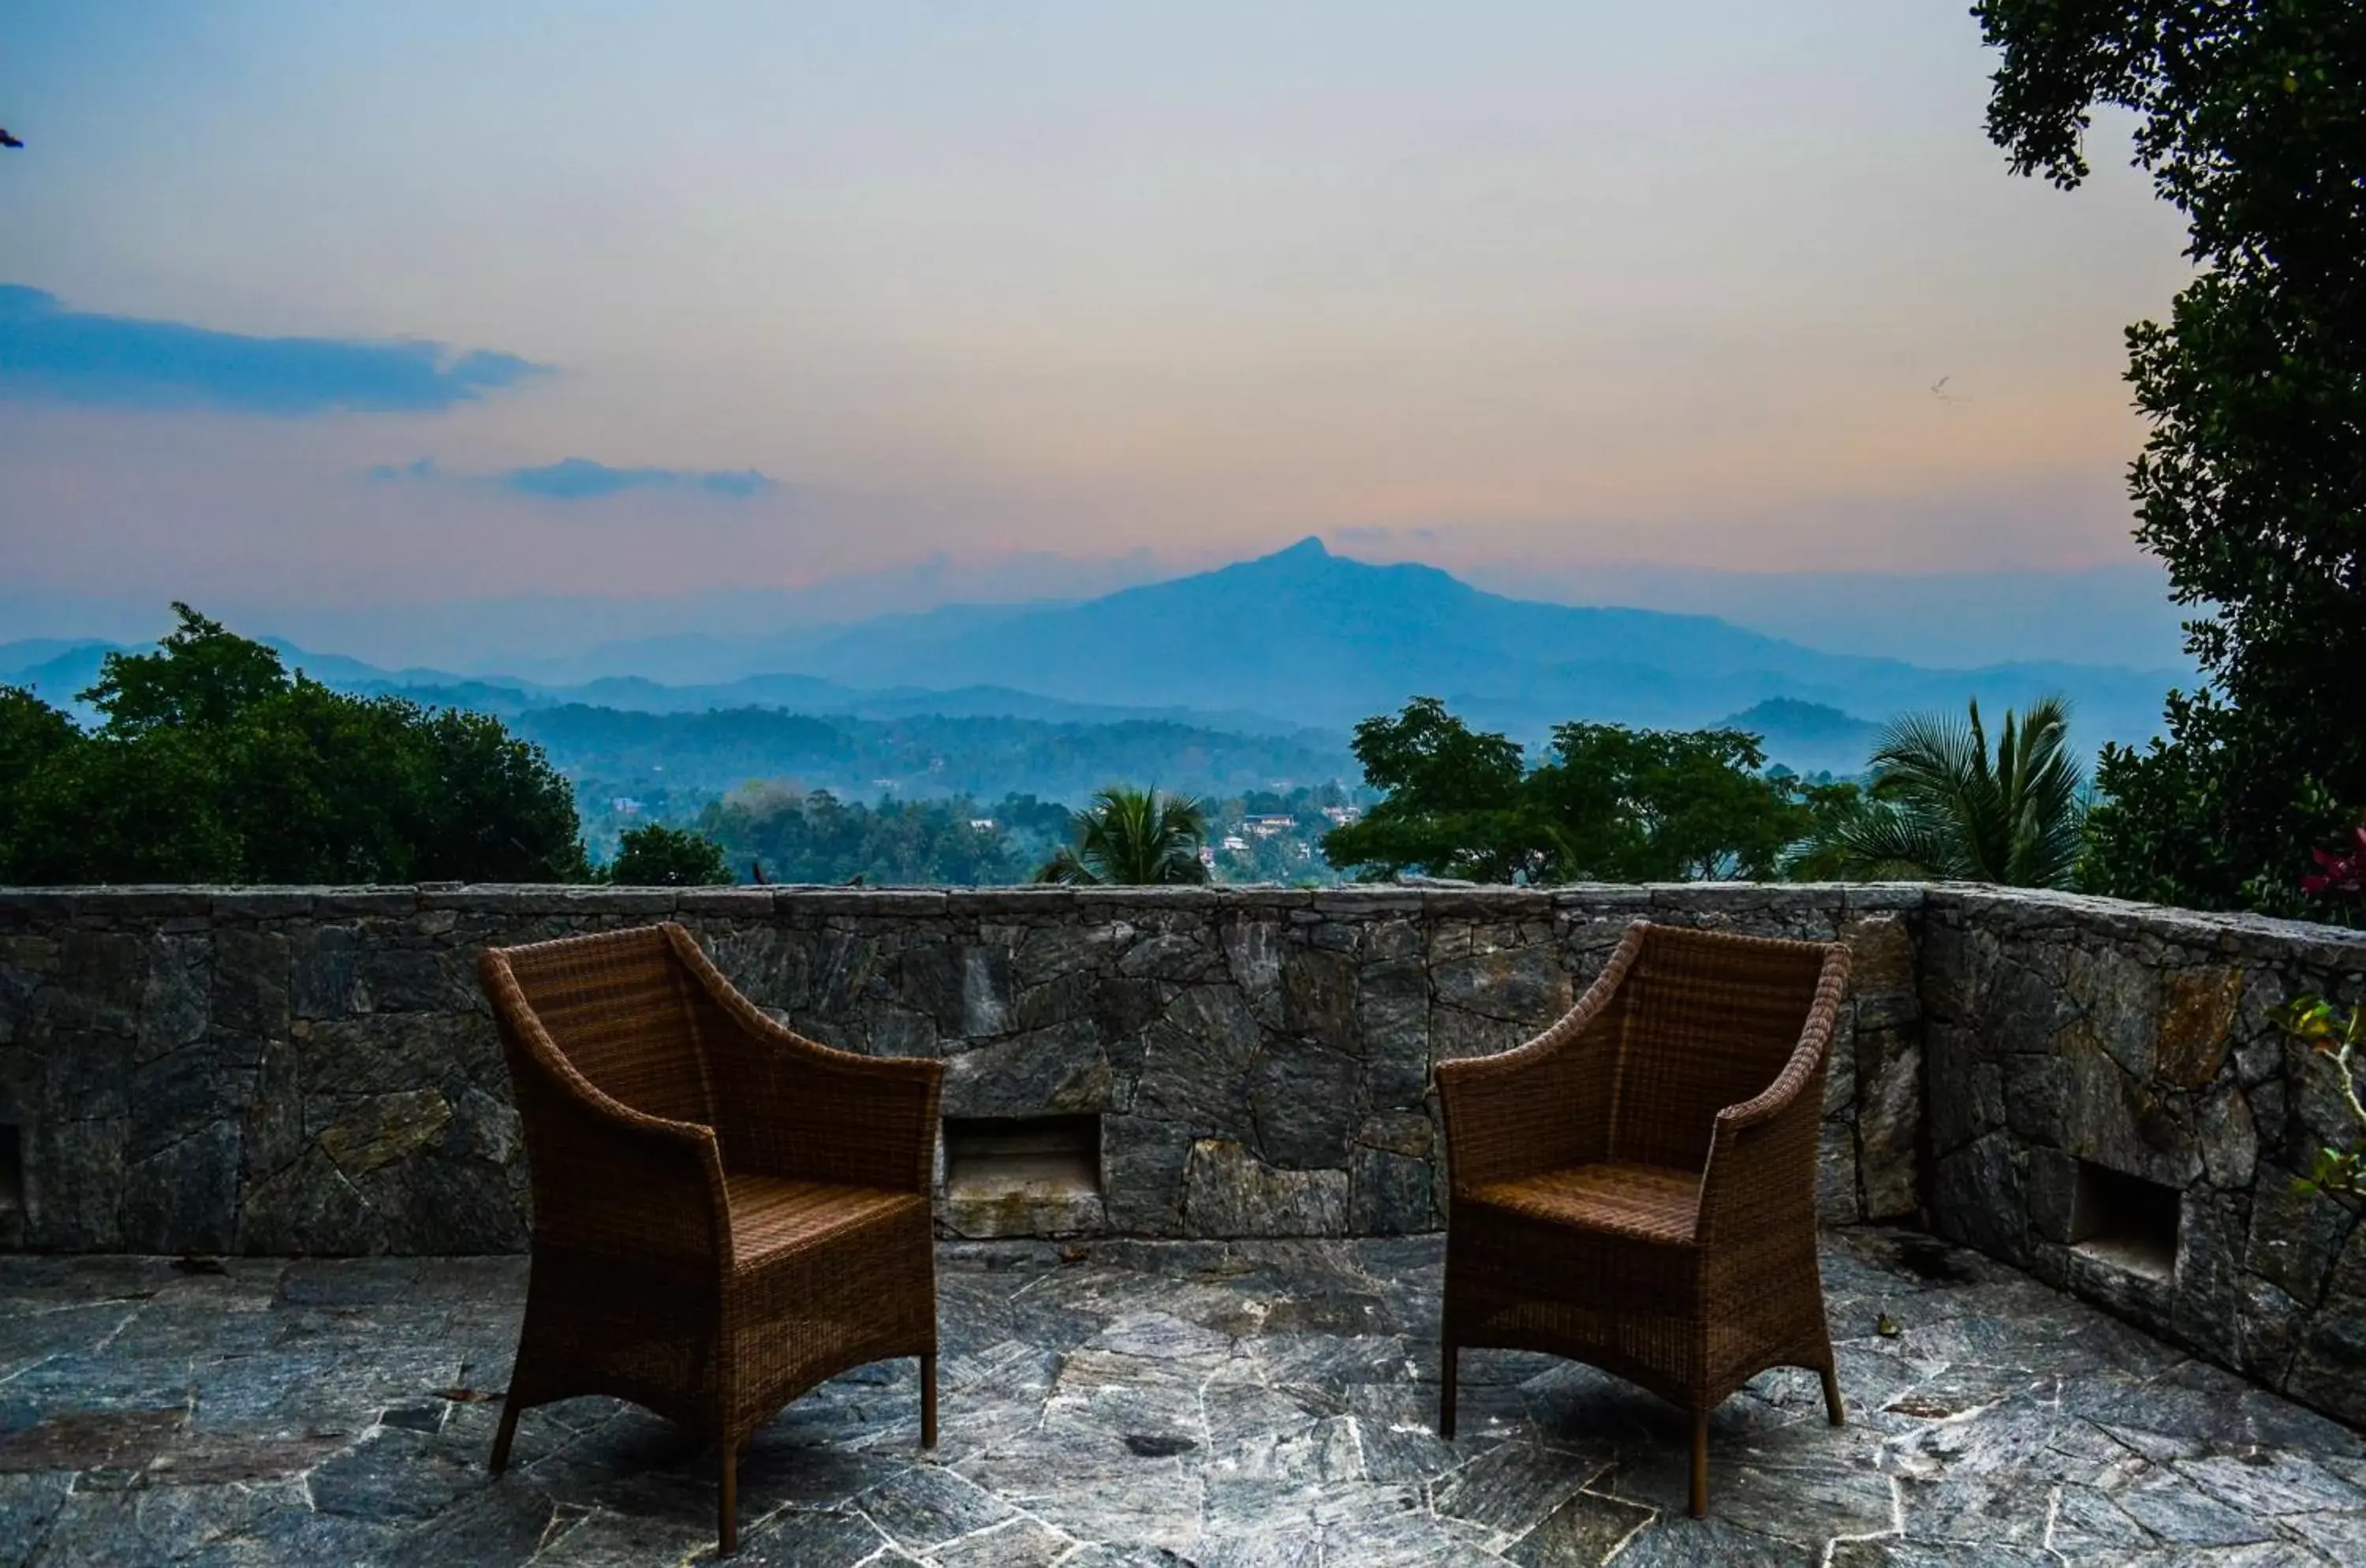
pixel 1455 803
pixel 211 763
pixel 1943 804
pixel 32 735
pixel 816 838
pixel 1132 838
pixel 1662 804
pixel 2251 117
pixel 1608 803
pixel 658 856
pixel 489 806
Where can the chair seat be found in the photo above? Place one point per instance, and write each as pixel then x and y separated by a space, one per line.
pixel 770 1215
pixel 1646 1203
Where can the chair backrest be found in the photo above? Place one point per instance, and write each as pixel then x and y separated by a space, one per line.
pixel 1704 1020
pixel 618 1006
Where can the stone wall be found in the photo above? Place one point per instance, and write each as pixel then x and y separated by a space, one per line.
pixel 2066 1036
pixel 313 1070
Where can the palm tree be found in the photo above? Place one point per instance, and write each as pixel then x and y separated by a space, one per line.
pixel 1132 838
pixel 1941 807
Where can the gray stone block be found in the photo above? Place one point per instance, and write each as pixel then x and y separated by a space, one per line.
pixel 1227 1192
pixel 1196 1061
pixel 1060 1069
pixel 1304 1104
pixel 1390 1194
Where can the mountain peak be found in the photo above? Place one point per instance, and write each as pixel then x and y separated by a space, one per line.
pixel 1308 549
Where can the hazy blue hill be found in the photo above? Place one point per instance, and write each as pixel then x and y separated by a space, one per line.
pixel 16 658
pixel 917 757
pixel 800 694
pixel 56 671
pixel 1325 640
pixel 1808 737
pixel 1298 640
pixel 698 659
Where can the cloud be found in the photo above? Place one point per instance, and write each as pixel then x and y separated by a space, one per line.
pixel 50 352
pixel 580 479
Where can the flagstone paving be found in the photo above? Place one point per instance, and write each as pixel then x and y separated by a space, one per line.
pixel 1229 1405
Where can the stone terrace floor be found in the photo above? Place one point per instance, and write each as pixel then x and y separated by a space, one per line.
pixel 1183 1403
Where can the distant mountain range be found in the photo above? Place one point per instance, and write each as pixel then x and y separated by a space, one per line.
pixel 1324 640
pixel 1301 642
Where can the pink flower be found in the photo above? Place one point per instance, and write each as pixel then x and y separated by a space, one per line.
pixel 2340 873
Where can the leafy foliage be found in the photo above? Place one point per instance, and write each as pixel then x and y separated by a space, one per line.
pixel 658 856
pixel 796 836
pixel 2324 1028
pixel 1662 805
pixel 1132 838
pixel 1942 804
pixel 1608 804
pixel 211 763
pixel 1456 803
pixel 31 734
pixel 2251 488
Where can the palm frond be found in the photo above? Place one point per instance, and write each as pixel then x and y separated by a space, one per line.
pixel 1944 804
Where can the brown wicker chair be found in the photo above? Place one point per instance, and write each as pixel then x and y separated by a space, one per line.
pixel 1636 1187
pixel 725 1214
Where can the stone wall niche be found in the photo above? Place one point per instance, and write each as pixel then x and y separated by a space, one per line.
pixel 1022 1175
pixel 2125 1222
pixel 12 1180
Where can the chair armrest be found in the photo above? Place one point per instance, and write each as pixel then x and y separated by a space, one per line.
pixel 1761 1177
pixel 612 1181
pixel 791 1107
pixel 1541 1105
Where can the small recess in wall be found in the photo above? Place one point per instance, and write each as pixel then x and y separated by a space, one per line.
pixel 2126 1221
pixel 12 1169
pixel 1031 1157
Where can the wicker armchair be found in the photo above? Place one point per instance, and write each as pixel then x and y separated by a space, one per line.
pixel 1636 1187
pixel 725 1214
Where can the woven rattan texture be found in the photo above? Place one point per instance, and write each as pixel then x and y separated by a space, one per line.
pixel 724 1213
pixel 1635 1187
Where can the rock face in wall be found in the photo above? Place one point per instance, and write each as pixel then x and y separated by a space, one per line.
pixel 300 1070
pixel 2073 1045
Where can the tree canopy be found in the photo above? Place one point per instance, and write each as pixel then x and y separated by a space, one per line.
pixel 211 762
pixel 2251 117
pixel 654 855
pixel 800 836
pixel 1608 804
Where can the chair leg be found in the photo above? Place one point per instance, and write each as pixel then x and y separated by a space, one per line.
pixel 1700 1464
pixel 1833 1410
pixel 728 1506
pixel 507 1430
pixel 929 1400
pixel 1449 1354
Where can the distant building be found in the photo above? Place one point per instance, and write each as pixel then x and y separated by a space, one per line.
pixel 1270 823
pixel 1207 855
pixel 1235 845
pixel 625 806
pixel 1341 815
pixel 982 824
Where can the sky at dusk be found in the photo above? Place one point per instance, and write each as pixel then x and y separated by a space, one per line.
pixel 320 306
